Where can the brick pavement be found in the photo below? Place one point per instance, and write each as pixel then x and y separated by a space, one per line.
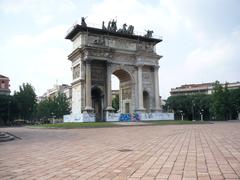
pixel 209 151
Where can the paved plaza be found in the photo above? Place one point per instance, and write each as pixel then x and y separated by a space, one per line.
pixel 204 151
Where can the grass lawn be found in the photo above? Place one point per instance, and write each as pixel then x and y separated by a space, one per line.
pixel 77 125
pixel 112 124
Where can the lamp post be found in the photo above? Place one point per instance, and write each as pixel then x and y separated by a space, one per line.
pixel 201 113
pixel 181 112
pixel 9 110
pixel 193 110
pixel 53 118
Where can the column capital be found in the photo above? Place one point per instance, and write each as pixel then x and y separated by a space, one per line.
pixel 140 65
pixel 85 54
pixel 156 67
pixel 109 63
pixel 88 61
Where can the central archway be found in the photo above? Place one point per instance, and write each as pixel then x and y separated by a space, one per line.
pixel 125 90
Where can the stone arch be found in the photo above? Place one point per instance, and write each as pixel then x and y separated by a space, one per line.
pixel 125 89
pixel 123 68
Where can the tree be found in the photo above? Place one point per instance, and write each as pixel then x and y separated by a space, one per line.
pixel 26 101
pixel 223 104
pixel 190 105
pixel 115 103
pixel 56 106
pixel 219 108
pixel 205 103
pixel 234 98
pixel 227 103
pixel 180 103
pixel 61 105
pixel 44 109
pixel 8 109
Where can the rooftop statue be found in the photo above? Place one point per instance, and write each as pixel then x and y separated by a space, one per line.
pixel 130 29
pixel 83 23
pixel 124 29
pixel 103 26
pixel 112 26
pixel 149 34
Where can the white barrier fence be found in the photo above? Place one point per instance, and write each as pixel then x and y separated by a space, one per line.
pixel 114 117
pixel 157 116
pixel 81 117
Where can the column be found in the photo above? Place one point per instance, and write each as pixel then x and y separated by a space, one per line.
pixel 156 84
pixel 109 87
pixel 88 96
pixel 140 91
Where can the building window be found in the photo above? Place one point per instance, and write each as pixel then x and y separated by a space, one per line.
pixel 2 85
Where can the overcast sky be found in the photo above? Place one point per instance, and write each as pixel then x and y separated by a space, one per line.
pixel 201 38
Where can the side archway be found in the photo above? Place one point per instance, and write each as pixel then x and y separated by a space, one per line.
pixel 146 101
pixel 97 102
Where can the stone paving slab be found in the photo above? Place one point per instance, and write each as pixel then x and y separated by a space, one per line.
pixel 204 151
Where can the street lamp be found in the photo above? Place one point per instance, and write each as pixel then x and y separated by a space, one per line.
pixel 53 118
pixel 201 113
pixel 193 104
pixel 181 112
pixel 9 110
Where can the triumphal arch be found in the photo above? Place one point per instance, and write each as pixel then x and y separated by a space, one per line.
pixel 99 53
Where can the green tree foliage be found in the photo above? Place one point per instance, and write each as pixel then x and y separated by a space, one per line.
pixel 8 109
pixel 44 109
pixel 218 101
pixel 26 101
pixel 61 105
pixel 115 103
pixel 234 98
pixel 53 107
pixel 180 103
pixel 204 105
pixel 223 104
pixel 226 102
pixel 190 105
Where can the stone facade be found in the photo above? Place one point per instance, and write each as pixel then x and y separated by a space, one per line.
pixel 96 55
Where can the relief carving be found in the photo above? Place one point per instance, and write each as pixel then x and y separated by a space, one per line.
pixel 145 47
pixel 99 41
pixel 146 76
pixel 126 93
pixel 97 75
pixel 76 72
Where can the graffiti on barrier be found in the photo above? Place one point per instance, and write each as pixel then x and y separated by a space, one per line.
pixel 130 117
pixel 148 115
